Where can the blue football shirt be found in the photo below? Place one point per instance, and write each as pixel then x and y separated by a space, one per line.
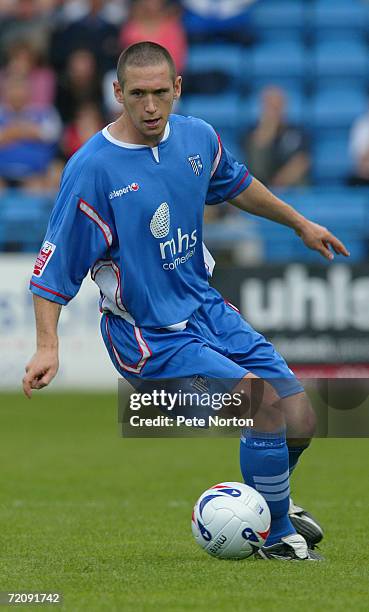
pixel 133 216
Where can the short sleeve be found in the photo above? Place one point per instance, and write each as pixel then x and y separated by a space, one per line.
pixel 80 231
pixel 228 177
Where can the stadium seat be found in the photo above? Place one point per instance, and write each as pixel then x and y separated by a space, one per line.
pixel 340 59
pixel 213 68
pixel 333 108
pixel 286 61
pixel 278 242
pixel 224 234
pixel 331 160
pixel 276 20
pixel 221 111
pixel 318 36
pixel 279 251
pixel 343 15
pixel 344 207
pixel 2 237
pixel 344 210
pixel 24 218
pixel 279 13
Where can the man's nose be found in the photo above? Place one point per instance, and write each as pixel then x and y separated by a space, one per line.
pixel 150 106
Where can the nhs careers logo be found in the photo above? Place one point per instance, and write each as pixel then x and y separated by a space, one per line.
pixel 178 249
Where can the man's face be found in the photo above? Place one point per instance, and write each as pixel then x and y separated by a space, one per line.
pixel 148 96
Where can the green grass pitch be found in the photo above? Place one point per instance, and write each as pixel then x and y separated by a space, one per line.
pixel 106 520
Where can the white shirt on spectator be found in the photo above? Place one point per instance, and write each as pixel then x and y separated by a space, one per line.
pixel 222 9
pixel 359 137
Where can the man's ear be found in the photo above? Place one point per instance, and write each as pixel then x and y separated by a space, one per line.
pixel 118 92
pixel 177 87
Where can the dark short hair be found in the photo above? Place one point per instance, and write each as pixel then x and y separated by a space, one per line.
pixel 144 54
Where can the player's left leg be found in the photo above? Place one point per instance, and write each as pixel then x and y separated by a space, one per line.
pixel 264 459
pixel 264 455
pixel 265 466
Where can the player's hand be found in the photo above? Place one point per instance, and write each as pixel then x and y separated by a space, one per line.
pixel 40 370
pixel 320 239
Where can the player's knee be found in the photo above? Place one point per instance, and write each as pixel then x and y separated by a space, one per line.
pixel 300 419
pixel 261 403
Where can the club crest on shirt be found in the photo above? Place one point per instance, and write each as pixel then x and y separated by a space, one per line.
pixel 196 163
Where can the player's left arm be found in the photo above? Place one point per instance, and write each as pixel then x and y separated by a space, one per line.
pixel 258 200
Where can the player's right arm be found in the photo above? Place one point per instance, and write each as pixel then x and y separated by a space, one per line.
pixel 79 233
pixel 44 364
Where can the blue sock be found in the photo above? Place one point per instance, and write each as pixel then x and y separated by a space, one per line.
pixel 294 453
pixel 264 466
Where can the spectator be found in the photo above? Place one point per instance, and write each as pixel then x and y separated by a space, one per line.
pixel 80 83
pixel 25 61
pixel 28 137
pixel 49 7
pixel 6 8
pixel 359 150
pixel 112 11
pixel 155 21
pixel 27 21
pixel 87 121
pixel 228 20
pixel 277 152
pixel 92 31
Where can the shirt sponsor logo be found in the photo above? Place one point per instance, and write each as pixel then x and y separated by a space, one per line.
pixel 117 193
pixel 179 248
pixel 43 258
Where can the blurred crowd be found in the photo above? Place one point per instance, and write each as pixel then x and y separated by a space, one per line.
pixel 57 64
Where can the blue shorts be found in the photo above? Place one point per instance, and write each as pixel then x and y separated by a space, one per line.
pixel 216 344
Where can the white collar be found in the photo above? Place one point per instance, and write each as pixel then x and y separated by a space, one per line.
pixel 128 145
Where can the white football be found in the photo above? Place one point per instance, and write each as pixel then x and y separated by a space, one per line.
pixel 231 520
